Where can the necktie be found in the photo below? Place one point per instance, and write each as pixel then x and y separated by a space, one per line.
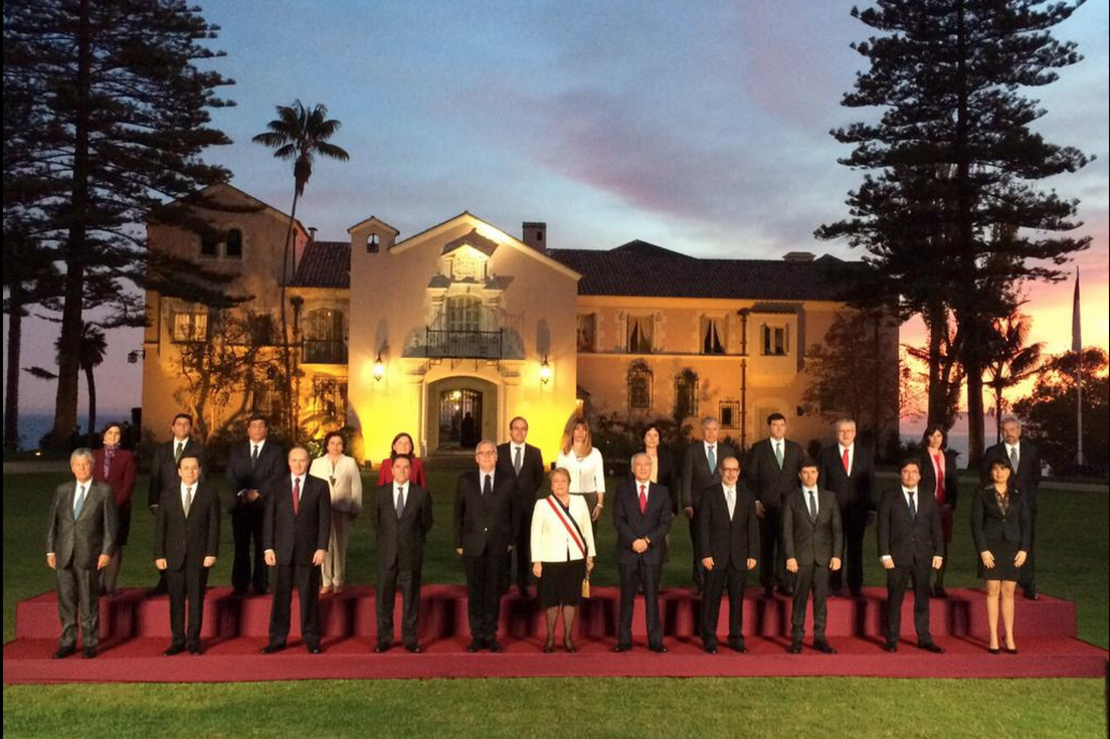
pixel 254 455
pixel 296 494
pixel 178 451
pixel 188 500
pixel 712 459
pixel 778 453
pixel 1014 458
pixel 913 505
pixel 940 478
pixel 517 461
pixel 400 502
pixel 79 501
pixel 487 487
pixel 812 506
pixel 730 496
pixel 847 463
pixel 643 498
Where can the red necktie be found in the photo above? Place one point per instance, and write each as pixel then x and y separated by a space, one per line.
pixel 940 479
pixel 643 498
pixel 296 494
pixel 847 471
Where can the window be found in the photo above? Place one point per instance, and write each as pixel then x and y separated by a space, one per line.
pixel 639 334
pixel 209 246
pixel 324 341
pixel 464 313
pixel 587 332
pixel 712 335
pixel 775 340
pixel 330 398
pixel 372 244
pixel 686 394
pixel 639 386
pixel 262 329
pixel 233 247
pixel 729 414
pixel 190 325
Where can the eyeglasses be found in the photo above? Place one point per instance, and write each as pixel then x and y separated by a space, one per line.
pixel 730 469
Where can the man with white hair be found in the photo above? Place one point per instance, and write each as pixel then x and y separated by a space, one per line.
pixel 848 471
pixel 79 543
pixel 1025 463
pixel 701 468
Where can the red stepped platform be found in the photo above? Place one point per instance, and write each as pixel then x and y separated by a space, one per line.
pixel 135 629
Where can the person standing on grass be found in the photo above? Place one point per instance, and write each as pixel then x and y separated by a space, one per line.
pixel 79 544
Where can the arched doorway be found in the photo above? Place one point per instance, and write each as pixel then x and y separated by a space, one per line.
pixel 461 412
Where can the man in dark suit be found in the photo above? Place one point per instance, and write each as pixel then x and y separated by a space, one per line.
pixel 701 467
pixel 186 542
pixel 642 515
pixel 79 543
pixel 485 528
pixel 847 470
pixel 163 469
pixel 1025 462
pixel 910 544
pixel 255 466
pixel 402 515
pixel 772 474
pixel 524 462
pixel 729 537
pixel 295 535
pixel 812 539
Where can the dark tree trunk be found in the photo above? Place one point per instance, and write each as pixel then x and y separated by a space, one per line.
pixel 15 345
pixel 91 382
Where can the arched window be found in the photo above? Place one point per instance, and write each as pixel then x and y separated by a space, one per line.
pixel 639 381
pixel 464 313
pixel 686 394
pixel 372 244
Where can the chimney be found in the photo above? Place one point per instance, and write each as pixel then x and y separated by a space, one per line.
pixel 535 235
pixel 312 233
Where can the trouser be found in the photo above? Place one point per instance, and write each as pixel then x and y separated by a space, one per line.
pixel 246 526
pixel 1028 573
pixel 772 563
pixel 897 580
pixel 634 576
pixel 390 580
pixel 698 573
pixel 483 592
pixel 78 593
pixel 335 560
pixel 186 585
pixel 811 578
pixel 306 579
pixel 855 525
pixel 716 580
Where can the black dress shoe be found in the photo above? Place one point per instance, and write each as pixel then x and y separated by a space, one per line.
pixel 788 592
pixel 931 647
pixel 710 650
pixel 768 592
pixel 1011 651
pixel 658 648
pixel 795 648
pixel 261 591
pixel 622 648
pixel 857 592
pixel 90 652
pixel 196 650
pixel 382 648
pixel 891 646
pixel 738 646
pixel 273 648
pixel 174 649
pixel 939 591
pixel 1031 595
pixel 823 647
pixel 494 646
pixel 414 648
pixel 313 649
pixel 835 593
pixel 64 652
pixel 474 646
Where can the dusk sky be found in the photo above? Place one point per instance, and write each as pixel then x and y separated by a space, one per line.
pixel 701 127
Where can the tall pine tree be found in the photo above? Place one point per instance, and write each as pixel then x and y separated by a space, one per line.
pixel 950 210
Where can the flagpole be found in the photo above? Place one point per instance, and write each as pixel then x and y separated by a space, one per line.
pixel 1077 347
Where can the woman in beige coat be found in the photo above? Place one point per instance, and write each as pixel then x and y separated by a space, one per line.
pixel 342 475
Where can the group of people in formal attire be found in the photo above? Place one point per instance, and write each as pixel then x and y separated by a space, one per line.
pixel 804 519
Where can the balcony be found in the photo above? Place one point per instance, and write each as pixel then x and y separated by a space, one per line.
pixel 448 344
pixel 325 352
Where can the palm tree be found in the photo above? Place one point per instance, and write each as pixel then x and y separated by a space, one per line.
pixel 90 354
pixel 1011 360
pixel 298 133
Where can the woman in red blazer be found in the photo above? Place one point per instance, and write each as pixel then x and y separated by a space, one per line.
pixel 402 444
pixel 115 466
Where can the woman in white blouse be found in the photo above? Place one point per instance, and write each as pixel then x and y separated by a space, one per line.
pixel 562 555
pixel 585 466
pixel 342 475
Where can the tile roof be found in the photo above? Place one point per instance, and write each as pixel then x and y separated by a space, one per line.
pixel 325 264
pixel 642 269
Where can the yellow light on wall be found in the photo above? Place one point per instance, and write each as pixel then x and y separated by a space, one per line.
pixel 545 371
pixel 379 368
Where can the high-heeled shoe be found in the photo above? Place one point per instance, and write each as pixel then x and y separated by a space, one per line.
pixel 994 650
pixel 1011 650
pixel 569 645
pixel 549 646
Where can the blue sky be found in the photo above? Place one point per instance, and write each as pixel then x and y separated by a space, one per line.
pixel 702 127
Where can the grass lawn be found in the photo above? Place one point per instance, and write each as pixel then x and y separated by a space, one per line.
pixel 1072 551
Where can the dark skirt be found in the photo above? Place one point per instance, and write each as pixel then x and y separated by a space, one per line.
pixel 123 529
pixel 1004 569
pixel 561 583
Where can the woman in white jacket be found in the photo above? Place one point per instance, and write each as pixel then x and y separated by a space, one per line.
pixel 342 475
pixel 562 555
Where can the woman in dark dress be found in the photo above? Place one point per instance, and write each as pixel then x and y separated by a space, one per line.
pixel 1000 526
pixel 115 466
pixel 940 476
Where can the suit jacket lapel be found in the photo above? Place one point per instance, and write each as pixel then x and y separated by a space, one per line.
pixel 70 497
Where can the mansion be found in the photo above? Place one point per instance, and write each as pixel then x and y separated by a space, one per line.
pixel 449 333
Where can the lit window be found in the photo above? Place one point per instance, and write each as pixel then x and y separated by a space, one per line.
pixel 587 332
pixel 775 340
pixel 639 386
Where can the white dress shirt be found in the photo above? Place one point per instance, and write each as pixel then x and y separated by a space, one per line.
pixel 851 456
pixel 587 475
pixel 816 500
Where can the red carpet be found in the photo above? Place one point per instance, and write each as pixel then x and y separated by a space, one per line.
pixel 136 629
